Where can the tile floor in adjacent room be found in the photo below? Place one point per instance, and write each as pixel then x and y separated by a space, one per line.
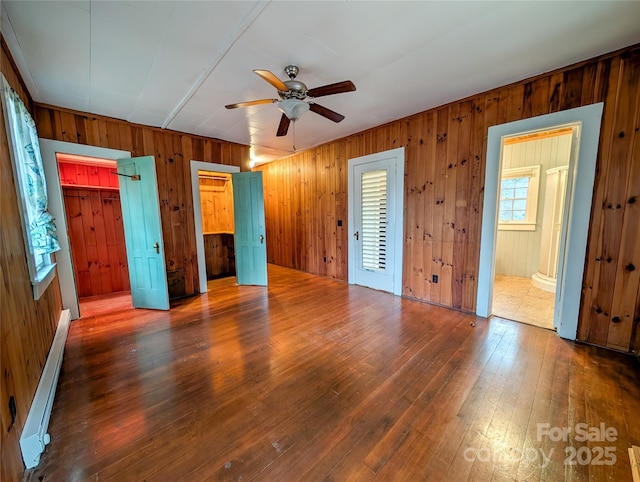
pixel 515 298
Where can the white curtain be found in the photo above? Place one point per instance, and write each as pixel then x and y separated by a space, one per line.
pixel 30 176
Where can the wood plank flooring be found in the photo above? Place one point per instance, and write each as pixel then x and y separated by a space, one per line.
pixel 101 304
pixel 313 379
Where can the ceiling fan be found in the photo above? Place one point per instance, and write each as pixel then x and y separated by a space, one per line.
pixel 293 93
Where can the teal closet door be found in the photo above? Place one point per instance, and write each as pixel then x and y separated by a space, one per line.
pixel 250 242
pixel 143 232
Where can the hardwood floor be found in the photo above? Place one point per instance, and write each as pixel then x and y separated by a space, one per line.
pixel 313 379
pixel 103 304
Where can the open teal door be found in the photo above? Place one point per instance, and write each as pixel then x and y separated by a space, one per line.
pixel 143 232
pixel 248 212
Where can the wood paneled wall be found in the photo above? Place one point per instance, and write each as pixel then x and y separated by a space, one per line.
pixel 305 197
pixel 27 326
pixel 96 235
pixel 216 200
pixel 306 194
pixel 173 152
pixel 96 230
pixel 81 175
pixel 220 255
pixel 610 312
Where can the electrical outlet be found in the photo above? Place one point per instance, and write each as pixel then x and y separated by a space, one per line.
pixel 434 279
pixel 339 222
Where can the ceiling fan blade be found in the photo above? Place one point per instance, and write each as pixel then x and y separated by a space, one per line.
pixel 251 102
pixel 283 128
pixel 337 88
pixel 324 112
pixel 272 79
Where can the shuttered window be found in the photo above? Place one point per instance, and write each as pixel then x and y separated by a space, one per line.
pixel 374 219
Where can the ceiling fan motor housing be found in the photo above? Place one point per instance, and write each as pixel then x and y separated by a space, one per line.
pixel 297 89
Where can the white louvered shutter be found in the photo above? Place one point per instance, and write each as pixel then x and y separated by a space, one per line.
pixel 374 220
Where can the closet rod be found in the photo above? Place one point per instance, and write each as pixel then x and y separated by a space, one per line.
pixel 217 178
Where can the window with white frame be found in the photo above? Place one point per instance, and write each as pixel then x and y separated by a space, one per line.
pixel 39 230
pixel 519 198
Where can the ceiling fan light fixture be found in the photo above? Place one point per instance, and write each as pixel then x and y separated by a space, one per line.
pixel 293 108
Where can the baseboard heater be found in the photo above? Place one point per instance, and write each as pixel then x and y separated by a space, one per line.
pixel 34 435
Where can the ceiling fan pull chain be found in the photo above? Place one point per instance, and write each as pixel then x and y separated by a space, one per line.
pixel 294 135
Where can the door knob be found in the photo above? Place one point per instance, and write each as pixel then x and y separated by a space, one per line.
pixel 157 247
pixel 261 239
pixel 357 235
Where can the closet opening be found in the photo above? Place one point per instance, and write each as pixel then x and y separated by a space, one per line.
pixel 216 203
pixel 92 208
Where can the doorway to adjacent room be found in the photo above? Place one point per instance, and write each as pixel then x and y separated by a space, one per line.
pixel 533 184
pixel 585 124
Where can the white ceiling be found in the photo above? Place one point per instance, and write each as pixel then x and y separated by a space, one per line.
pixel 175 64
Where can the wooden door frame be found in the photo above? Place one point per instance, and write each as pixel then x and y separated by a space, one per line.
pixel 49 149
pixel 399 156
pixel 577 210
pixel 197 214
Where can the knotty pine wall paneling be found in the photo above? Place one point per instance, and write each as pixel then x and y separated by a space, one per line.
pixel 82 175
pixel 96 235
pixel 27 326
pixel 220 255
pixel 173 152
pixel 611 293
pixel 216 201
pixel 445 151
pixel 96 231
